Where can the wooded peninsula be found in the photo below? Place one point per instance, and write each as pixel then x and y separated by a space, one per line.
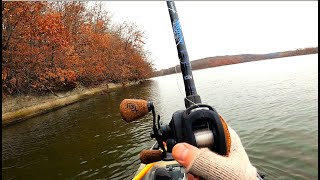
pixel 234 59
pixel 57 46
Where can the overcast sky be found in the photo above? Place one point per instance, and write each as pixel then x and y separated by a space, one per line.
pixel 213 28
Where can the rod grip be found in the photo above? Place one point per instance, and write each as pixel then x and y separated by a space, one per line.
pixel 133 109
pixel 150 156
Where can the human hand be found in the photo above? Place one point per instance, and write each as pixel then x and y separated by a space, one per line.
pixel 210 165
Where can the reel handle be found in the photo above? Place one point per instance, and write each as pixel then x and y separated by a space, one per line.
pixel 133 109
pixel 150 156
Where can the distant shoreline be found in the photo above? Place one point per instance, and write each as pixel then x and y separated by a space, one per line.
pixel 235 59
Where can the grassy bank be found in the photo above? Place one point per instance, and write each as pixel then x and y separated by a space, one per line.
pixel 19 108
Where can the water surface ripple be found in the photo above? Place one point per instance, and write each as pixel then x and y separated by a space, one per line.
pixel 272 105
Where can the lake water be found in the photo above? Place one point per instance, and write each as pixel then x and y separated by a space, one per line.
pixel 272 105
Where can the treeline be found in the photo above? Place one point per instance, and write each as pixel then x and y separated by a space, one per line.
pixel 57 46
pixel 234 59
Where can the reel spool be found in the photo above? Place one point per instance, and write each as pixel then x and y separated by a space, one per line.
pixel 201 126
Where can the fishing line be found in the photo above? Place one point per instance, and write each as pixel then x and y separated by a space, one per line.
pixel 192 102
pixel 175 69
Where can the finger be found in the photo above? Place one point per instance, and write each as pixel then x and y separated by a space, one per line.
pixel 192 177
pixel 235 140
pixel 185 154
pixel 164 143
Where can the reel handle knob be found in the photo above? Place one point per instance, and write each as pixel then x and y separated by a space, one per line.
pixel 133 109
pixel 150 156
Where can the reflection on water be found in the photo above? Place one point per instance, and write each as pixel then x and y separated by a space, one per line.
pixel 271 104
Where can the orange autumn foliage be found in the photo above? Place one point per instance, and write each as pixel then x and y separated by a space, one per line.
pixel 54 46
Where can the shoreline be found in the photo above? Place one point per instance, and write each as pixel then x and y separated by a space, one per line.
pixel 216 61
pixel 20 108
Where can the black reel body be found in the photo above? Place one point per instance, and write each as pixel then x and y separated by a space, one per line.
pixel 199 125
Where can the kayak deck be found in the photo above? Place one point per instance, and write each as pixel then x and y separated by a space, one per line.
pixel 172 167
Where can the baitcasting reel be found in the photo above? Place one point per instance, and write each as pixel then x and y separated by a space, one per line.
pixel 199 125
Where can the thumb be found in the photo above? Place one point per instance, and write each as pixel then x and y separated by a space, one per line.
pixel 185 154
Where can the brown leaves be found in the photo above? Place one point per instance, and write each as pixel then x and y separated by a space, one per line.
pixel 59 45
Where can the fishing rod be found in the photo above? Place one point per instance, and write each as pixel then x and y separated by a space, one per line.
pixel 199 124
pixel 191 93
